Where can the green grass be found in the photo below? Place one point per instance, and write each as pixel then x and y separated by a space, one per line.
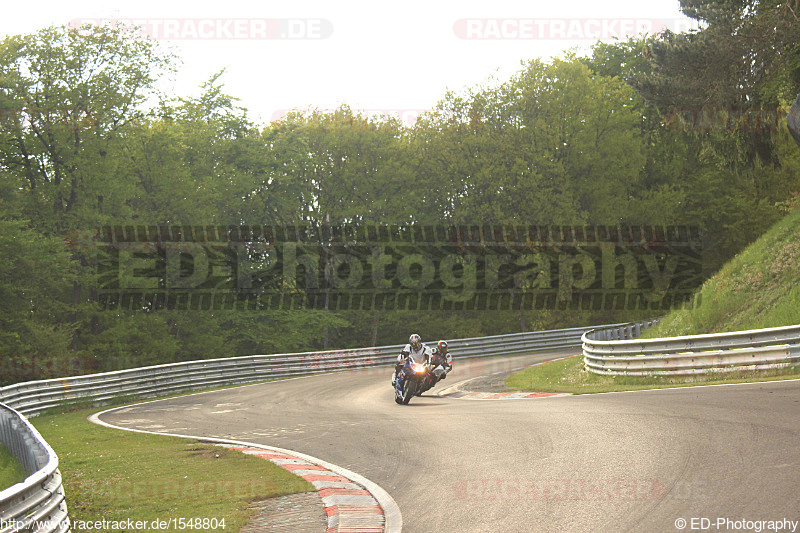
pixel 759 288
pixel 117 475
pixel 11 472
pixel 569 375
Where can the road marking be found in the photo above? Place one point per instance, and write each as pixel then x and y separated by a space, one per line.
pixel 690 387
pixel 346 510
pixel 456 392
pixel 503 395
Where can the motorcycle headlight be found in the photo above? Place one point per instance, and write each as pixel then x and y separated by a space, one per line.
pixel 418 368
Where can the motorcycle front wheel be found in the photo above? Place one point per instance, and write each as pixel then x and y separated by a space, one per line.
pixel 408 391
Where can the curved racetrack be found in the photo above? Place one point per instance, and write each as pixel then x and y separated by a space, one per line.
pixel 612 462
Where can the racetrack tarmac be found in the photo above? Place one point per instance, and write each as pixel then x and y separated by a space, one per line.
pixel 634 461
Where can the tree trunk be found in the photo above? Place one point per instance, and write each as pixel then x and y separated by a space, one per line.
pixel 76 300
pixel 326 279
pixel 375 322
pixel 793 120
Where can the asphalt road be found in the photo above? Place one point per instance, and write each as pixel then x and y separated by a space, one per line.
pixel 613 462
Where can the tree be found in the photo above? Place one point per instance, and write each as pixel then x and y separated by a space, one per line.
pixel 554 144
pixel 746 60
pixel 69 95
pixel 347 168
pixel 35 279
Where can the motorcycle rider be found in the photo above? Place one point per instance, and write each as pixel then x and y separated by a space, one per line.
pixel 442 355
pixel 415 350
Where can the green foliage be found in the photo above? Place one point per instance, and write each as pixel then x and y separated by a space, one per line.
pixel 86 141
pixel 68 96
pixel 36 271
pixel 744 62
pixel 345 167
pixel 554 144
pixel 570 376
pixel 11 471
pixel 757 289
pixel 119 475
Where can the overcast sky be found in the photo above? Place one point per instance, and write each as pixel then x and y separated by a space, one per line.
pixel 399 58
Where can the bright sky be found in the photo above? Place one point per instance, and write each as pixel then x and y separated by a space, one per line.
pixel 376 56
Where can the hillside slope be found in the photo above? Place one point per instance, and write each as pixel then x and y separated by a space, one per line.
pixel 759 288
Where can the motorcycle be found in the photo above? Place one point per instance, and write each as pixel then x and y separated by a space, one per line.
pixel 435 371
pixel 410 380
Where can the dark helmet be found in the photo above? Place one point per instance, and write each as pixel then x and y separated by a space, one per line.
pixel 442 346
pixel 415 341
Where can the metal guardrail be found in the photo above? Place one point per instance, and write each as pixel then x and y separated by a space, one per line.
pixel 36 504
pixel 41 496
pixel 612 350
pixel 33 397
pixel 618 351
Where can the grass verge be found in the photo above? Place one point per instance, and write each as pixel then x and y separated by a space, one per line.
pixel 117 475
pixel 759 288
pixel 569 375
pixel 11 472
